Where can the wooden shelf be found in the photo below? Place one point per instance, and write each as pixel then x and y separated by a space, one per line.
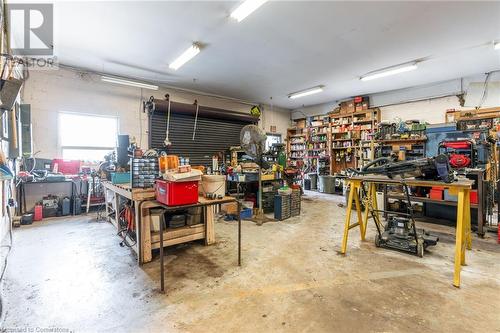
pixel 427 200
pixel 363 121
pixel 340 148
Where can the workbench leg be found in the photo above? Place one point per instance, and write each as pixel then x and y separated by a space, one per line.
pixel 210 225
pixel 106 203
pixel 145 239
pixel 117 211
pixel 459 242
pixel 138 231
pixel 348 217
pixel 468 228
pixel 162 266
pixel 375 203
pixel 372 195
pixel 358 212
pixel 239 233
pixel 353 195
pixel 366 214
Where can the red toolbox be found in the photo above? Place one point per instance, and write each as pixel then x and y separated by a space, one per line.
pixel 176 193
pixel 473 197
pixel 436 193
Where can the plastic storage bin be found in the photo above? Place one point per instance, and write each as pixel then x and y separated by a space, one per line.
pixel 246 213
pixel 449 197
pixel 120 177
pixel 176 193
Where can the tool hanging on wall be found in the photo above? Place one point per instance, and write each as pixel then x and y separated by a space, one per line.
pixel 195 117
pixel 167 138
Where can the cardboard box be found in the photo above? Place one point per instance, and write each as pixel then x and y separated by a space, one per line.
pixel 348 107
pixel 301 123
pixel 156 217
pixel 361 103
pixel 230 208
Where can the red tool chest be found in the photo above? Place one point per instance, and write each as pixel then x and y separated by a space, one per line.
pixel 176 193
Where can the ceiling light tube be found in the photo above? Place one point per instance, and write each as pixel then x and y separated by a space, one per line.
pixel 187 55
pixel 496 46
pixel 128 83
pixel 390 71
pixel 246 8
pixel 306 92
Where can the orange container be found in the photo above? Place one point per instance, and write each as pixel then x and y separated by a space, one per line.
pixel 172 162
pixel 168 162
pixel 162 163
pixel 436 193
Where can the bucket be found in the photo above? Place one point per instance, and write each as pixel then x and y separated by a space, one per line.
pixel 314 181
pixel 213 184
pixel 247 204
pixel 326 184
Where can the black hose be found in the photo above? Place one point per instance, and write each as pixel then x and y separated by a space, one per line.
pixel 376 161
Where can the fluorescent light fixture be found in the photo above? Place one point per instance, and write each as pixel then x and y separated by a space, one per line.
pixel 128 83
pixel 306 92
pixel 246 8
pixel 185 56
pixel 497 46
pixel 390 71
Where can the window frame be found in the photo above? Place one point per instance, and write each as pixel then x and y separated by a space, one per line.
pixel 276 135
pixel 103 148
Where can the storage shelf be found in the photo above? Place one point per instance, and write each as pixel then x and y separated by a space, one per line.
pixel 363 121
pixel 339 148
pixel 401 140
pixel 427 200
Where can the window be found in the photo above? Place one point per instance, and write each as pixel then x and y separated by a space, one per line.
pixel 272 138
pixel 87 137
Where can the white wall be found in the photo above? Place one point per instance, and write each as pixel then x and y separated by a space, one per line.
pixel 427 102
pixel 432 110
pixel 50 92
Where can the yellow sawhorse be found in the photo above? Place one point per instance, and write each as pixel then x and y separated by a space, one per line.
pixel 460 188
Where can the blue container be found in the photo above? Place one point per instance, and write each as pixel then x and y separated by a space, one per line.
pixel 448 196
pixel 246 213
pixel 120 177
pixel 66 206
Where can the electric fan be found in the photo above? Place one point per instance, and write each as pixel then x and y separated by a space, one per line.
pixel 253 142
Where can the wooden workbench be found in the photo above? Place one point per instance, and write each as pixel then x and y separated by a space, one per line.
pixel 461 188
pixel 143 200
pixel 137 196
pixel 204 230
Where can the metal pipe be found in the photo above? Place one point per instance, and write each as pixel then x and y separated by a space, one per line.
pixel 159 105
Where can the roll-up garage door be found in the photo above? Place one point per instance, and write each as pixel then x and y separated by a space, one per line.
pixel 212 135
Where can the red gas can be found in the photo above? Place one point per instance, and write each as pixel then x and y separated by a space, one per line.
pixel 176 193
pixel 38 216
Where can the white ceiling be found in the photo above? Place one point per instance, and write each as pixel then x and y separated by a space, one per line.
pixel 283 47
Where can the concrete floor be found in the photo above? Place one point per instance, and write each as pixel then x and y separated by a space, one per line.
pixel 71 274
